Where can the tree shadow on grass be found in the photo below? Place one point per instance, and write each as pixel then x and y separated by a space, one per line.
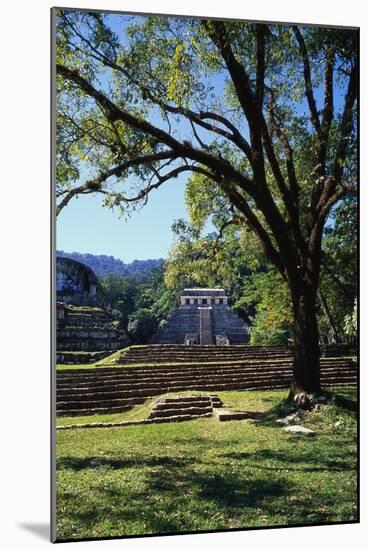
pixel 344 402
pixel 163 507
pixel 96 462
pixel 175 494
pixel 307 461
pixel 237 492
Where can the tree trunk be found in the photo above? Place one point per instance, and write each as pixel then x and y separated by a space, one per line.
pixel 334 336
pixel 306 364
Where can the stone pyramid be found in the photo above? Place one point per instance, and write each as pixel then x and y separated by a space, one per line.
pixel 203 317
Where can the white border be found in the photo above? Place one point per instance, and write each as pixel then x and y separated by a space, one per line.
pixel 25 269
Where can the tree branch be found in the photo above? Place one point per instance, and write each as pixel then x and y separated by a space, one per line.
pixel 259 137
pixel 327 116
pixel 346 126
pixel 307 77
pixel 330 190
pixel 113 113
pixel 260 64
pixel 162 179
pixel 218 34
pixel 288 152
pixel 94 185
pixel 199 118
pixel 254 223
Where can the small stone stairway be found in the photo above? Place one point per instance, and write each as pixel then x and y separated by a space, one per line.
pixel 184 407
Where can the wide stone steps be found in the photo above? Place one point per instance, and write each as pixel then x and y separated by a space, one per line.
pixel 115 374
pixel 187 409
pixel 99 390
pixel 146 390
pixel 167 382
pixel 184 358
pixel 72 408
pixel 175 351
pixel 127 398
pixel 126 390
pixel 84 401
pixel 248 348
pixel 159 348
pixel 95 410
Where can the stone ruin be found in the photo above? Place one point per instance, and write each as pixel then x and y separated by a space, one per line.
pixel 203 317
pixel 77 284
pixel 85 328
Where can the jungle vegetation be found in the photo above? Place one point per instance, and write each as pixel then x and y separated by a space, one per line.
pixel 262 119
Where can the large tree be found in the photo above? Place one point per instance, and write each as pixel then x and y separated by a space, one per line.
pixel 261 116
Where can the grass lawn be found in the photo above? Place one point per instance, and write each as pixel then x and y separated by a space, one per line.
pixel 207 475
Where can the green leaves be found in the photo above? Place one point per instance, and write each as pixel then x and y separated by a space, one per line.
pixel 339 267
pixel 350 322
pixel 272 169
pixel 201 195
pixel 178 89
pixel 272 321
pixel 139 302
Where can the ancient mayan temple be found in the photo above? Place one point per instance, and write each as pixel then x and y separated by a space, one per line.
pixel 203 317
pixel 85 329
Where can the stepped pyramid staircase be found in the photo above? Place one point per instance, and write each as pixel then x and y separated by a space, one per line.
pixel 141 372
pixel 204 315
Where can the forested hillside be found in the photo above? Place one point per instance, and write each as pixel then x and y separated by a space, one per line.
pixel 263 121
pixel 107 265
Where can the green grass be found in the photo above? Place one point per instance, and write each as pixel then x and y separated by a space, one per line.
pixel 82 366
pixel 207 475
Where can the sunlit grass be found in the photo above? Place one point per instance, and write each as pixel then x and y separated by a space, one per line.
pixel 206 475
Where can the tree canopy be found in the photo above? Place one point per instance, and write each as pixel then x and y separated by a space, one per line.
pixel 261 117
pixel 139 306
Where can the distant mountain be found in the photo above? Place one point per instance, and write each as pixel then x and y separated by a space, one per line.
pixel 105 265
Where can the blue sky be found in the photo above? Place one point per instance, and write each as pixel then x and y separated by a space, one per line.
pixel 86 226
